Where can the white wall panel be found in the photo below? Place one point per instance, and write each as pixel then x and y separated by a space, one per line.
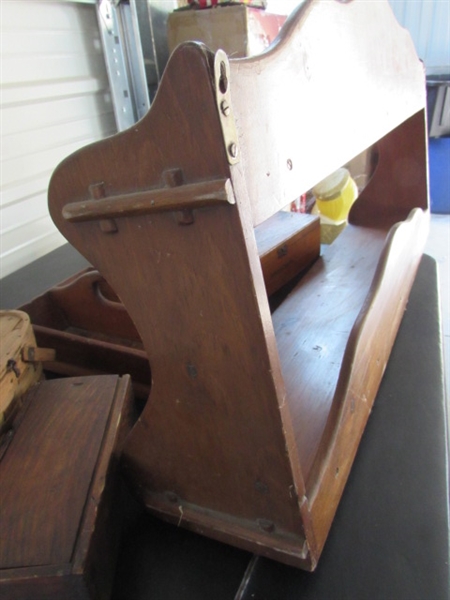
pixel 54 100
pixel 428 22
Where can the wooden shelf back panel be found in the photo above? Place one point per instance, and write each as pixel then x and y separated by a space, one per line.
pixel 350 75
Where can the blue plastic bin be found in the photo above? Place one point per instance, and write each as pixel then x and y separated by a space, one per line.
pixel 439 164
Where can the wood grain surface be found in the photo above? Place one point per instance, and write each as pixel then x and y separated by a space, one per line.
pixel 57 474
pixel 349 74
pixel 17 372
pixel 287 243
pixel 248 413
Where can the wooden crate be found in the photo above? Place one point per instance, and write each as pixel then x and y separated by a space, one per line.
pixel 85 323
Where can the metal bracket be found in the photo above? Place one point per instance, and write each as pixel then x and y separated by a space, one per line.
pixel 223 100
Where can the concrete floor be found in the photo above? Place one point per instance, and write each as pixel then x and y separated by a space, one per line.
pixel 438 246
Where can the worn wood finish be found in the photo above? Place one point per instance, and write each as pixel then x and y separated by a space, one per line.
pixel 90 330
pixel 203 314
pixel 253 419
pixel 352 78
pixel 287 243
pixel 369 350
pixel 399 176
pixel 194 195
pixel 57 476
pixel 91 333
pixel 17 371
pixel 86 302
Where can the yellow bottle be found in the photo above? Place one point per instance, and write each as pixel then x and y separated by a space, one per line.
pixel 335 195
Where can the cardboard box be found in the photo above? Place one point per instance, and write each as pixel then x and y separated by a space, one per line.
pixel 237 29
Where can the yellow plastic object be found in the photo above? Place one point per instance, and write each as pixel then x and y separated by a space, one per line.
pixel 335 195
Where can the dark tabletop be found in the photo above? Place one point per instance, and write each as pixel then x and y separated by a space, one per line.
pixel 389 539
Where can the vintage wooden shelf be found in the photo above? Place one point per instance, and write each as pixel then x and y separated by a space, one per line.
pixel 253 418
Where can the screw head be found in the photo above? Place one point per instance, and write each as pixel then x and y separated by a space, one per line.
pixel 233 150
pixel 266 525
pixel 171 496
pixel 225 108
pixel 192 371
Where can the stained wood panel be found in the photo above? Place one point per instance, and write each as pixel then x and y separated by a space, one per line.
pixel 252 422
pixel 368 98
pixel 61 504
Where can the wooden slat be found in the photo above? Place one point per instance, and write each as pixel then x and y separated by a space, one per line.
pixel 312 328
pixel 190 196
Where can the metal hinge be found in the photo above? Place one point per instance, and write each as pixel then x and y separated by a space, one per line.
pixel 223 100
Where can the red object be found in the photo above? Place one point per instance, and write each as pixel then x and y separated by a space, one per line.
pixel 299 205
pixel 210 3
pixel 204 3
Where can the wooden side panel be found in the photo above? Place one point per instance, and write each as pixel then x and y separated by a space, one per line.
pixel 86 306
pixel 400 180
pixel 348 75
pixel 211 434
pixel 90 331
pixel 213 406
pixel 97 547
pixel 365 359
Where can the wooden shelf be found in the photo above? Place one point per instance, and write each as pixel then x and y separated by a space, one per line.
pixel 312 328
pixel 253 420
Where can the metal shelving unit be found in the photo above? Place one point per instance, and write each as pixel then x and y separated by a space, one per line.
pixel 134 38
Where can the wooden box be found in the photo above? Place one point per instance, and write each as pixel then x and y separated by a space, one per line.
pixel 90 330
pixel 60 492
pixel 17 373
pixel 239 30
pixel 287 243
